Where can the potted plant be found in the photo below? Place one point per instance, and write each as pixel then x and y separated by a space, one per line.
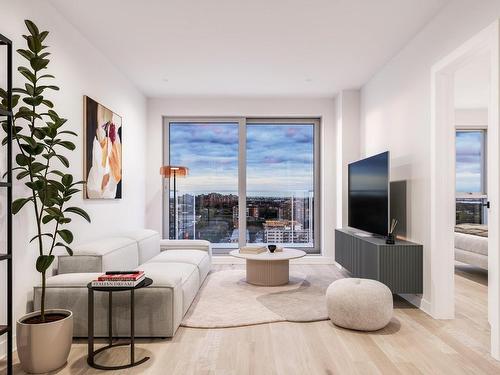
pixel 43 337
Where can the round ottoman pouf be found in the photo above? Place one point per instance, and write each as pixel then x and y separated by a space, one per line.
pixel 360 304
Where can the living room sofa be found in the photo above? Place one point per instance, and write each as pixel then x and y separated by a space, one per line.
pixel 177 267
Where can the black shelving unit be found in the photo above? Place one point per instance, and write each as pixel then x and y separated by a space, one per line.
pixel 7 256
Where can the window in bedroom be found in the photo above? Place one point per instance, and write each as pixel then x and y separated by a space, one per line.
pixel 471 176
pixel 249 181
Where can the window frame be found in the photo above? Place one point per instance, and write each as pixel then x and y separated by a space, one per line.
pixel 242 122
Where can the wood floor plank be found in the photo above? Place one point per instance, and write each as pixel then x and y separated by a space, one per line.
pixel 413 343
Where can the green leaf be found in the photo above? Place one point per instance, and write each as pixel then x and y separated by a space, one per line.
pixel 22 160
pixel 41 235
pixel 49 195
pixel 78 211
pixel 37 63
pixel 67 180
pixel 67 144
pixel 35 185
pixel 63 160
pixel 46 76
pixel 33 101
pixel 31 27
pixel 30 89
pixel 66 235
pixel 72 191
pixel 22 175
pixel 50 87
pixel 27 73
pixel 68 249
pixel 27 54
pixel 19 203
pixel 43 35
pixel 48 103
pixel 57 185
pixel 68 132
pixel 47 218
pixel 53 211
pixel 43 262
pixel 37 167
pixel 64 220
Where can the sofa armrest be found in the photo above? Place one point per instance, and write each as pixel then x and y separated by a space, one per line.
pixel 186 245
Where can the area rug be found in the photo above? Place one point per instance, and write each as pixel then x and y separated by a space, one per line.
pixel 226 300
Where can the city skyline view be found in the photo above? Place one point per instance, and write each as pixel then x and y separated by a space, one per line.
pixel 282 154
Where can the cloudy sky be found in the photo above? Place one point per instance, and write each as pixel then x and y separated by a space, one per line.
pixel 468 162
pixel 279 158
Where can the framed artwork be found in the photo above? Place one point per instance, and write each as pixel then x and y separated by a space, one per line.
pixel 103 151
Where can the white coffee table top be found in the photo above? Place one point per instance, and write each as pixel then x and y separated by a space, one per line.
pixel 267 256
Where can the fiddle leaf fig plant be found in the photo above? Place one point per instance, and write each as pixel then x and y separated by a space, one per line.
pixel 42 139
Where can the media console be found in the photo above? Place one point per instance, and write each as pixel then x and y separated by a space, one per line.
pixel 399 266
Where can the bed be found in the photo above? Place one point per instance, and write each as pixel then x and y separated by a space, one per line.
pixel 471 244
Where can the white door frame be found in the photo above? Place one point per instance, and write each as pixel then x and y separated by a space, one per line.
pixel 443 179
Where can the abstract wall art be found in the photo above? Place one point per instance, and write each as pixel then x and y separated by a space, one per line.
pixel 103 151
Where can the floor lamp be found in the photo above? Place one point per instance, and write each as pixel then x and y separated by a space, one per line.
pixel 170 171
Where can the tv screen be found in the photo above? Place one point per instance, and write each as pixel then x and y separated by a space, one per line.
pixel 368 199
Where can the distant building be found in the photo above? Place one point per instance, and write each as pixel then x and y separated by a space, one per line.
pixel 285 231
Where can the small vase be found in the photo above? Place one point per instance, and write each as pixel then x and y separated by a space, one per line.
pixel 390 239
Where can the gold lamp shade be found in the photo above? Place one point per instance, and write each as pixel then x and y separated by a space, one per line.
pixel 168 171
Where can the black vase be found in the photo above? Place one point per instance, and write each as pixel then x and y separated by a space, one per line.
pixel 390 239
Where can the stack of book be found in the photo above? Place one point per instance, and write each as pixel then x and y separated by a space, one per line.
pixel 119 279
pixel 253 249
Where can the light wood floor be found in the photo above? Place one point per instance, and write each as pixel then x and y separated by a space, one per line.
pixel 413 343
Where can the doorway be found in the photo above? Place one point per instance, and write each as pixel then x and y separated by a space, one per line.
pixel 443 186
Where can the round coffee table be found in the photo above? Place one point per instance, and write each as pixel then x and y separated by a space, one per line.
pixel 268 269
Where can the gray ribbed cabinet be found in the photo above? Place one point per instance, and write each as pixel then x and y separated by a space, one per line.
pixel 398 266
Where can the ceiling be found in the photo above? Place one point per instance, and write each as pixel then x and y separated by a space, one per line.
pixel 472 84
pixel 248 48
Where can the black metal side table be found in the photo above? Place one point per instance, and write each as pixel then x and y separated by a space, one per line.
pixel 91 353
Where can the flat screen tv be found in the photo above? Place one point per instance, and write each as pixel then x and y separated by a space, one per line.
pixel 368 199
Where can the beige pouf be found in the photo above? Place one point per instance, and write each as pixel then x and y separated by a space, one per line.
pixel 360 304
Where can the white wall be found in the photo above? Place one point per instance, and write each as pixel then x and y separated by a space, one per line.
pixel 220 107
pixel 79 69
pixel 471 118
pixel 396 109
pixel 348 146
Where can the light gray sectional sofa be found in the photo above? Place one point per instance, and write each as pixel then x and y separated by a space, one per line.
pixel 177 267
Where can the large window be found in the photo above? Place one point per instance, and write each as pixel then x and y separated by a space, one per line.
pixel 471 176
pixel 250 181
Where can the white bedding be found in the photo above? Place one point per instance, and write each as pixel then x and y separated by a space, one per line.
pixel 471 243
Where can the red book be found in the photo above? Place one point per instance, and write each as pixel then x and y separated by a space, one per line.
pixel 122 276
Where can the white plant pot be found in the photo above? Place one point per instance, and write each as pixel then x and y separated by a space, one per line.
pixel 44 347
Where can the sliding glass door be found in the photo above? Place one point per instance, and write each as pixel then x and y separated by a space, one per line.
pixel 249 181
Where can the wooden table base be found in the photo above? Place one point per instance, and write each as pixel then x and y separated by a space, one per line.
pixel 267 272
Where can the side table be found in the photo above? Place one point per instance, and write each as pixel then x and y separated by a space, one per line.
pixel 91 353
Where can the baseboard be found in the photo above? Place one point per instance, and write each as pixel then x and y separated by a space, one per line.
pixel 417 300
pixel 313 259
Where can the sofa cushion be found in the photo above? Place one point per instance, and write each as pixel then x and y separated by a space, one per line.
pixel 112 253
pixel 69 280
pixel 165 274
pixel 148 243
pixel 198 258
